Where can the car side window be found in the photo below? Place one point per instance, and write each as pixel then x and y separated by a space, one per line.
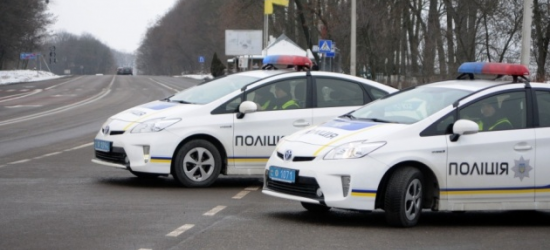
pixel 282 95
pixel 543 104
pixel 338 93
pixel 499 112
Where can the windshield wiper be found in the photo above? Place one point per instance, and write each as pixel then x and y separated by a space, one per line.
pixel 180 101
pixel 349 116
pixel 380 120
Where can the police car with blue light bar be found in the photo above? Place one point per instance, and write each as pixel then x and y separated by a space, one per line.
pixel 229 125
pixel 459 145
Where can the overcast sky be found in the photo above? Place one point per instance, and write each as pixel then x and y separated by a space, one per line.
pixel 120 24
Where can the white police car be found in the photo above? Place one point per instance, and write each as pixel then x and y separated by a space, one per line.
pixel 218 128
pixel 423 148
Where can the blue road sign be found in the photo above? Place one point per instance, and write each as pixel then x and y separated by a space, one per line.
pixel 325 46
pixel 28 56
pixel 201 59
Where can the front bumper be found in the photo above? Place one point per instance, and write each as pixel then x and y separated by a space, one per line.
pixel 346 184
pixel 143 152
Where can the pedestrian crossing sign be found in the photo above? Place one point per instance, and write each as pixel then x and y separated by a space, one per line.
pixel 325 46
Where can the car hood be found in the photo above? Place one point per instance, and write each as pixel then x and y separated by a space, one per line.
pixel 339 131
pixel 154 110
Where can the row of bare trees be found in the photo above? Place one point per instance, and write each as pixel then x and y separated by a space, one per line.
pixel 416 41
pixel 22 29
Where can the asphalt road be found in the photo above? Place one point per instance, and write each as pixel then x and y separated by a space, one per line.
pixel 53 197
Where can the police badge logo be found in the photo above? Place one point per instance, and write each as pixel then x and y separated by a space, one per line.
pixel 521 168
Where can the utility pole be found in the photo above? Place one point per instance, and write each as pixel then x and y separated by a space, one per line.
pixel 353 51
pixel 526 32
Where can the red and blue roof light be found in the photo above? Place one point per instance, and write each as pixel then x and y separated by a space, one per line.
pixel 288 60
pixel 491 68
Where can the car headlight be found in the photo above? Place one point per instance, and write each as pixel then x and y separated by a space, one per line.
pixel 154 125
pixel 353 150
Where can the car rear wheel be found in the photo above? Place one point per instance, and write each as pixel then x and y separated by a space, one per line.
pixel 403 198
pixel 198 164
pixel 315 208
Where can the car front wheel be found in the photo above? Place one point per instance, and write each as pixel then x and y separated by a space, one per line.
pixel 403 198
pixel 198 164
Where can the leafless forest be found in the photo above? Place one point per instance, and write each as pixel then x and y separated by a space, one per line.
pixel 423 40
pixel 408 41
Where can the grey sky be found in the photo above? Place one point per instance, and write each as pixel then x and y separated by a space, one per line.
pixel 121 24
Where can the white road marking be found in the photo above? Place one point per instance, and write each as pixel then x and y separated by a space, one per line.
pixel 99 96
pixel 213 211
pixel 241 194
pixel 252 188
pixel 180 230
pixel 21 161
pixel 164 85
pixel 23 106
pixel 49 154
pixel 145 249
pixel 18 96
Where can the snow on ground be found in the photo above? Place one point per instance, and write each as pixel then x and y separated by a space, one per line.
pixel 15 76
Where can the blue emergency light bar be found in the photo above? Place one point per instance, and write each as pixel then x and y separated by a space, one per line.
pixel 288 60
pixel 491 68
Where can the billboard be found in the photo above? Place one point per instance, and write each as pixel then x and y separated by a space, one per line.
pixel 243 42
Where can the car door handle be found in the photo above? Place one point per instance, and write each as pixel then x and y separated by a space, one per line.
pixel 522 146
pixel 301 123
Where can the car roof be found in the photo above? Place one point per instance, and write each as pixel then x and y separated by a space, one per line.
pixel 469 85
pixel 290 72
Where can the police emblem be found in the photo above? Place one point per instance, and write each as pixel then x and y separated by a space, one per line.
pixel 521 168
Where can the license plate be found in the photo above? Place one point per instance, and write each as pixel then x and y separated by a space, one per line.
pixel 101 145
pixel 282 174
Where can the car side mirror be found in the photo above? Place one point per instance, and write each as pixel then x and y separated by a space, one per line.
pixel 247 107
pixel 464 127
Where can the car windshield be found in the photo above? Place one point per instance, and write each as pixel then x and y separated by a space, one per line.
pixel 409 106
pixel 213 90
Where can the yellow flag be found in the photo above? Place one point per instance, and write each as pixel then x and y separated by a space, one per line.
pixel 268 7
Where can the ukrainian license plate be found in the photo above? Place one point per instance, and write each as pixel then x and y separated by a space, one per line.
pixel 282 174
pixel 101 145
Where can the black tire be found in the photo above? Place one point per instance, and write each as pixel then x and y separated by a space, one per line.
pixel 403 198
pixel 198 164
pixel 315 208
pixel 145 175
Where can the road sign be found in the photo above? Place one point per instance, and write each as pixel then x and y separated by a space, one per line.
pixel 29 56
pixel 201 59
pixel 325 46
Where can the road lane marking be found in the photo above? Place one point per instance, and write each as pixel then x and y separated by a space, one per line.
pixel 252 188
pixel 18 96
pixel 164 85
pixel 79 147
pixel 47 155
pixel 21 161
pixel 241 194
pixel 180 230
pixel 214 211
pixel 99 96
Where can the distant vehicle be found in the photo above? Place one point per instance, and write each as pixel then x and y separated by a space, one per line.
pixel 229 125
pixel 456 145
pixel 124 71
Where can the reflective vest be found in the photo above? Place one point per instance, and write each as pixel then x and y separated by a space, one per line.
pixel 288 104
pixel 501 121
pixel 266 104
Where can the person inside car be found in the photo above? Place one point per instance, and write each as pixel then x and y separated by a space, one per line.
pixel 490 119
pixel 284 98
